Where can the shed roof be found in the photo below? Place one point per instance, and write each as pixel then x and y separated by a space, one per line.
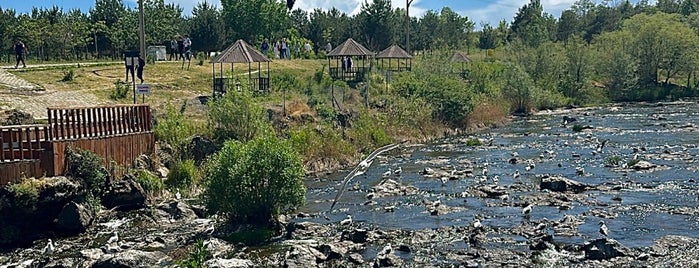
pixel 393 52
pixel 460 57
pixel 350 48
pixel 240 52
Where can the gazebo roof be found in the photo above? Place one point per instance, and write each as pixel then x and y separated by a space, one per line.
pixel 393 52
pixel 460 57
pixel 240 52
pixel 350 48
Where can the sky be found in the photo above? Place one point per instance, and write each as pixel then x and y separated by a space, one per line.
pixel 478 11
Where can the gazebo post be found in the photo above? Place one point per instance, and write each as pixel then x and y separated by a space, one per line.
pixel 250 75
pixel 213 82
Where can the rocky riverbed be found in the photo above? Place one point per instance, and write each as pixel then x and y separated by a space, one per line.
pixel 532 193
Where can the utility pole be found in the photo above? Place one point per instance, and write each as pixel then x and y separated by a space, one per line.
pixel 407 17
pixel 141 30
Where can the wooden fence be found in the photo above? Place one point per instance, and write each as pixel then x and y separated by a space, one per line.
pixel 118 134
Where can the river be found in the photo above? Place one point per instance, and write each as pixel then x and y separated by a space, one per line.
pixel 638 206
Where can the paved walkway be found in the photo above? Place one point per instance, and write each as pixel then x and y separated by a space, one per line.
pixel 20 94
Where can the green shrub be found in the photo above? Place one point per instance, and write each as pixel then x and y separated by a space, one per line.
pixel 578 128
pixel 197 256
pixel 174 128
pixel 182 175
pixel 473 142
pixel 150 183
pixel 87 167
pixel 121 90
pixel 256 181
pixel 237 116
pixel 368 133
pixel 68 75
pixel 612 161
pixel 26 193
pixel 316 143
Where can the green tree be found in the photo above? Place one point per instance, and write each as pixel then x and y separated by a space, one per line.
pixel 487 38
pixel 206 28
pixel 517 89
pixel 375 24
pixel 530 24
pixel 256 181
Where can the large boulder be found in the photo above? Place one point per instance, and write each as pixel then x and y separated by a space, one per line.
pixel 643 165
pixel 75 218
pixel 133 259
pixel 229 263
pixel 199 148
pixel 125 194
pixel 604 249
pixel 561 184
pixel 178 210
pixel 303 256
pixel 357 235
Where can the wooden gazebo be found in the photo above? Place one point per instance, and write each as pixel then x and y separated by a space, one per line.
pixel 403 60
pixel 240 52
pixel 463 59
pixel 349 51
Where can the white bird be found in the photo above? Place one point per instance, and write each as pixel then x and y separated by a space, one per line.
pixel 386 174
pixel 516 175
pixel 477 224
pixel 484 171
pixel 515 154
pixel 496 179
pixel 178 195
pixel 209 230
pixel 527 210
pixel 437 203
pixel 603 229
pixel 386 250
pixel 389 208
pixel 113 248
pixel 398 171
pixel 113 239
pixel 346 221
pixel 579 171
pixel 49 248
pixel 444 180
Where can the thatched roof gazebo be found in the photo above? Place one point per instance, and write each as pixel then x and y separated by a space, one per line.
pixel 463 59
pixel 343 66
pixel 397 53
pixel 240 52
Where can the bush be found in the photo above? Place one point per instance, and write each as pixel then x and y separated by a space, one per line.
pixel 316 143
pixel 68 75
pixel 182 175
pixel 150 183
pixel 197 256
pixel 26 193
pixel 255 182
pixel 121 90
pixel 87 167
pixel 368 133
pixel 237 116
pixel 474 142
pixel 174 128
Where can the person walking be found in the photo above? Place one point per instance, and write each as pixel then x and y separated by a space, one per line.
pixel 20 51
pixel 265 47
pixel 173 48
pixel 139 69
pixel 180 48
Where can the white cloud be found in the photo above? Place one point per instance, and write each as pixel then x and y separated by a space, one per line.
pixel 507 9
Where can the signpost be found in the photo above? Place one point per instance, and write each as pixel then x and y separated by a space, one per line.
pixel 143 89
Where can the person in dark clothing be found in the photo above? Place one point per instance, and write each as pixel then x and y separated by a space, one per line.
pixel 20 50
pixel 180 48
pixel 139 70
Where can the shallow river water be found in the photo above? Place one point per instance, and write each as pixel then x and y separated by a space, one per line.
pixel 638 206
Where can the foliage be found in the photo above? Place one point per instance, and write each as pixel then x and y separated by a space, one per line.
pixel 68 75
pixel 183 175
pixel 578 128
pixel 368 132
pixel 614 160
pixel 150 183
pixel 26 193
pixel 256 181
pixel 86 167
pixel 474 142
pixel 236 116
pixel 198 254
pixel 517 89
pixel 320 143
pixel 206 28
pixel 121 90
pixel 174 128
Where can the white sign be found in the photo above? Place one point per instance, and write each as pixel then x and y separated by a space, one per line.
pixel 143 89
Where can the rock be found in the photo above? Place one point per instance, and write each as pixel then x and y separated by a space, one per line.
pixel 178 210
pixel 561 184
pixel 301 230
pixel 228 263
pixel 493 191
pixel 92 253
pixel 61 263
pixel 125 194
pixel 162 172
pixel 357 235
pixel 217 247
pixel 303 256
pixel 387 260
pixel 144 162
pixel 132 258
pixel 74 218
pixel 643 165
pixel 356 258
pixel 542 242
pixel 604 249
pixel 332 251
pixel 199 148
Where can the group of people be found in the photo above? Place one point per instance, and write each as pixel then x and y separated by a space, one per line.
pixel 283 49
pixel 346 64
pixel 181 48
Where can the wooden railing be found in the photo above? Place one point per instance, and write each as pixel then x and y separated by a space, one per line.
pixel 87 122
pixel 22 142
pixel 354 74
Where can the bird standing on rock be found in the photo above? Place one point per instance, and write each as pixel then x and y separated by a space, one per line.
pixel 398 171
pixel 603 229
pixel 386 174
pixel 49 248
pixel 527 210
pixel 386 250
pixel 113 239
pixel 477 224
pixel 347 221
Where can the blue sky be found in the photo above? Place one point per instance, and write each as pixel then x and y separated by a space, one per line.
pixel 479 11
